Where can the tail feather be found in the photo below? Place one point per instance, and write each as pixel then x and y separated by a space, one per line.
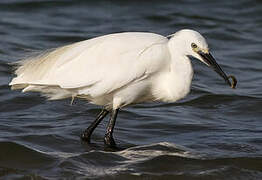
pixel 31 71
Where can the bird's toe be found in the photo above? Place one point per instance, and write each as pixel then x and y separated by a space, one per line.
pixel 85 136
pixel 109 140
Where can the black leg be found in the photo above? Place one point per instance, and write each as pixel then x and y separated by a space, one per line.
pixel 109 140
pixel 86 135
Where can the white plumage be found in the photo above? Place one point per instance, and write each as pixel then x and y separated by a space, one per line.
pixel 112 70
pixel 116 70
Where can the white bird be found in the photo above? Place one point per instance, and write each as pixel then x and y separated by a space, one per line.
pixel 116 70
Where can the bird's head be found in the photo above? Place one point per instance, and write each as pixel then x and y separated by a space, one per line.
pixel 192 44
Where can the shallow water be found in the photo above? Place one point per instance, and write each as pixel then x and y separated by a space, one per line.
pixel 214 133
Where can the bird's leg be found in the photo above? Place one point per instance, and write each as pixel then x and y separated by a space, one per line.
pixel 86 135
pixel 109 140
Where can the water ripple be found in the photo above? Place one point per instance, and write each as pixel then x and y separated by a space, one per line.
pixel 214 133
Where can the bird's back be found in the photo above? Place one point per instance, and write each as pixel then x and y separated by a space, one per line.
pixel 96 66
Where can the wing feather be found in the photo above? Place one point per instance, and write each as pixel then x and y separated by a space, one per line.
pixel 96 66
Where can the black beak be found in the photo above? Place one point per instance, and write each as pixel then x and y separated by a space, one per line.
pixel 209 59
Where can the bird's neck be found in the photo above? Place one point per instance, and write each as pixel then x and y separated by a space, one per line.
pixel 175 83
pixel 181 72
pixel 181 68
pixel 180 65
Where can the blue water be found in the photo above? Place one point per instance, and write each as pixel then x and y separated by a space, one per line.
pixel 214 133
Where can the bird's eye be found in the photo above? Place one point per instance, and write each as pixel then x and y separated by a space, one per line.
pixel 193 45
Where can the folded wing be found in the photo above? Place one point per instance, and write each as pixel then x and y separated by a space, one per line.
pixel 93 67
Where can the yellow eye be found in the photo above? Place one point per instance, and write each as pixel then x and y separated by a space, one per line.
pixel 193 45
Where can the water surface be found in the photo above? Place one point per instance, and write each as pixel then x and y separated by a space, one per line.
pixel 214 133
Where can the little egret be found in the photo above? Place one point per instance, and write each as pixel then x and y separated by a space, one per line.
pixel 116 70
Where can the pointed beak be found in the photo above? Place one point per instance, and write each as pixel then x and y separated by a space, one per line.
pixel 211 62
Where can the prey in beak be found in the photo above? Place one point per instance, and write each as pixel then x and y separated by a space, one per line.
pixel 211 62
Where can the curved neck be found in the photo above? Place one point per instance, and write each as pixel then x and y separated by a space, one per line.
pixel 182 72
pixel 175 82
pixel 180 65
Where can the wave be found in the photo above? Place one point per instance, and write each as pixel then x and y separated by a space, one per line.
pixel 153 161
pixel 15 155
